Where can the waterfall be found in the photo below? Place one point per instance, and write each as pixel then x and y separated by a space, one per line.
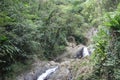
pixel 85 52
pixel 47 73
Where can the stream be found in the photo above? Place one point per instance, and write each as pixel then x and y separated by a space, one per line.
pixel 69 67
pixel 64 70
pixel 43 76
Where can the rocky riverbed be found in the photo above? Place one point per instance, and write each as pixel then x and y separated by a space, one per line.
pixel 69 67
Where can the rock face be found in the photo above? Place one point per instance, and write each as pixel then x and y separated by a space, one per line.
pixel 79 53
pixel 61 72
pixel 69 68
pixel 83 52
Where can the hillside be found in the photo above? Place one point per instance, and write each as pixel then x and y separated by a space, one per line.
pixel 59 39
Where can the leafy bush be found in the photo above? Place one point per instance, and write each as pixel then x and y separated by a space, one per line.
pixel 37 27
pixel 9 54
pixel 107 50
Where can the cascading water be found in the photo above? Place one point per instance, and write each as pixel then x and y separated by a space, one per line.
pixel 85 52
pixel 47 73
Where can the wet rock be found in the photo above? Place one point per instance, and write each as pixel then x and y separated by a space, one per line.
pixel 29 76
pixel 33 75
pixel 47 73
pixel 79 53
pixel 39 72
pixel 83 52
pixel 68 67
pixel 60 74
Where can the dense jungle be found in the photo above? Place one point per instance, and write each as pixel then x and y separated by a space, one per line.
pixel 59 40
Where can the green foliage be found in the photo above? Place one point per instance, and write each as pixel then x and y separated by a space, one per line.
pixel 9 54
pixel 107 7
pixel 5 19
pixel 2 39
pixel 107 49
pixel 41 27
pixel 114 22
pixel 101 42
pixel 37 27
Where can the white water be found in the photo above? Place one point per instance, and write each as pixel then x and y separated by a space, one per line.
pixel 48 72
pixel 85 52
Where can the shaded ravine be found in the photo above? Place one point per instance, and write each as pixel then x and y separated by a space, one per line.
pixel 67 67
